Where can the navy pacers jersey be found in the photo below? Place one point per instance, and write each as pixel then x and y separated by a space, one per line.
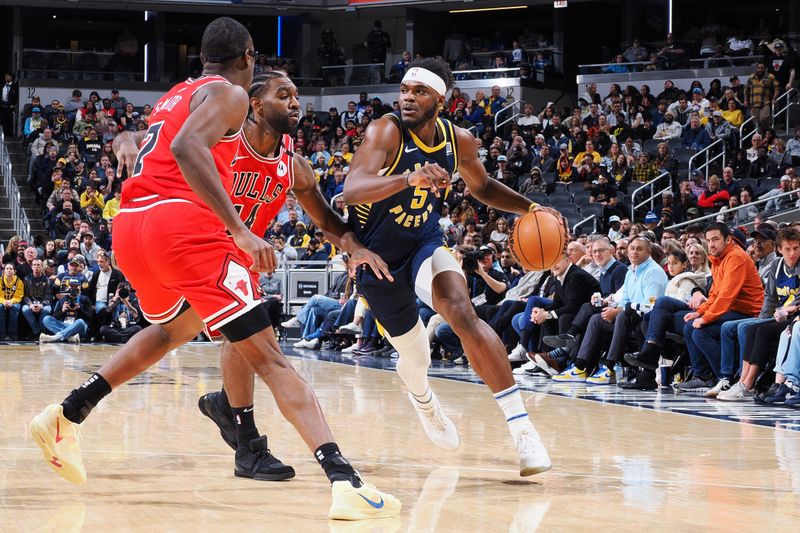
pixel 396 226
pixel 787 286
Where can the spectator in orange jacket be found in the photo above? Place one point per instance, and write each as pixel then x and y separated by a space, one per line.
pixel 736 293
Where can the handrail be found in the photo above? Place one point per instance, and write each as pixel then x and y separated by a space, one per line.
pixel 352 66
pixel 489 53
pixel 484 70
pixel 742 136
pixel 19 218
pixel 652 200
pixel 644 186
pixel 587 219
pixel 739 59
pixel 789 103
pixel 518 103
pixel 634 63
pixel 732 210
pixel 705 151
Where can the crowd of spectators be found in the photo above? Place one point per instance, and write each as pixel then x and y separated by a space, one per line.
pixel 552 321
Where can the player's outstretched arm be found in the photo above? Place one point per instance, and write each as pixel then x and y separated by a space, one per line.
pixel 326 219
pixel 216 110
pixel 365 186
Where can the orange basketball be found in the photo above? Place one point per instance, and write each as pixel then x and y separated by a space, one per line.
pixel 538 240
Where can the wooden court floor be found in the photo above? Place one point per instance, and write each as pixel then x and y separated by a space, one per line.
pixel 155 464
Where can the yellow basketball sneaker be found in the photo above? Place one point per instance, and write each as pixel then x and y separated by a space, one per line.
pixel 59 440
pixel 362 503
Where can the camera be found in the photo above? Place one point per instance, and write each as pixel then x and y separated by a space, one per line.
pixel 124 291
pixel 470 259
pixel 72 298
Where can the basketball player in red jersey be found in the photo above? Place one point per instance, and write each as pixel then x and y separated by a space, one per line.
pixel 264 171
pixel 177 193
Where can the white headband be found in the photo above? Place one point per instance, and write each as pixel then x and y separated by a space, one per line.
pixel 427 77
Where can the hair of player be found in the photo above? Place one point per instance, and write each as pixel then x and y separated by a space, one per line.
pixel 224 39
pixel 261 83
pixel 438 66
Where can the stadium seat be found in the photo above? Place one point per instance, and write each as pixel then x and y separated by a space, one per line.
pixel 538 197
pixel 559 197
pixel 593 209
pixel 651 145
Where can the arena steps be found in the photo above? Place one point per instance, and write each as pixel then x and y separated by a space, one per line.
pixel 28 201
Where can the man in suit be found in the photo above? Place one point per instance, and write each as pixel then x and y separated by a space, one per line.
pixel 9 95
pixel 644 282
pixel 102 289
pixel 573 288
pixel 612 276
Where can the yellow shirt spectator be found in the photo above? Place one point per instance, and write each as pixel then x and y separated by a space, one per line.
pixel 90 197
pixel 111 209
pixel 735 117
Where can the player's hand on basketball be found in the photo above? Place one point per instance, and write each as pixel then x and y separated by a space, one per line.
pixel 556 214
pixel 258 249
pixel 430 176
pixel 364 256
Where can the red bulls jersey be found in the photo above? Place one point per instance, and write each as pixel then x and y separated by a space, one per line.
pixel 156 174
pixel 260 184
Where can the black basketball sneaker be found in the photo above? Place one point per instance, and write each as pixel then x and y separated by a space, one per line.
pixel 209 405
pixel 256 462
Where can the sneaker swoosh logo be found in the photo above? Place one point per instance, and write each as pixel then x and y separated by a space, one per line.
pixel 54 461
pixel 59 437
pixel 376 505
pixel 248 410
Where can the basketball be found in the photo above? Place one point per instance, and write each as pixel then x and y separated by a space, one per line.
pixel 538 240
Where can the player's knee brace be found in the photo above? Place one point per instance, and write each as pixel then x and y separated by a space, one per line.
pixel 415 358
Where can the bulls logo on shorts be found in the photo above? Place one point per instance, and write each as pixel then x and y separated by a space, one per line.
pixel 238 281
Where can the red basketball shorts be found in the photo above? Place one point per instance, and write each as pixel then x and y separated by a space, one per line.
pixel 174 251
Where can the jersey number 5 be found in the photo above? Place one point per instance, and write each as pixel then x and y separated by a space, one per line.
pixel 150 142
pixel 420 194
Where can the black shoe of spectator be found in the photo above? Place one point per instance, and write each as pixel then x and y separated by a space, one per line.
pixel 562 340
pixel 638 359
pixel 646 380
pixel 760 397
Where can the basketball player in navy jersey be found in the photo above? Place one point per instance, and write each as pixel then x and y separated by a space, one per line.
pixel 397 183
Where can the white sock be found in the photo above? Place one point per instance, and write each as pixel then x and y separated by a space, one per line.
pixel 414 358
pixel 510 401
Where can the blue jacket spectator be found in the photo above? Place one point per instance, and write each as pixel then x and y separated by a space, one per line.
pixel 695 136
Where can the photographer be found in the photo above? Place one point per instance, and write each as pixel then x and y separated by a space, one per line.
pixel 72 278
pixel 70 318
pixel 124 310
pixel 38 297
pixel 487 285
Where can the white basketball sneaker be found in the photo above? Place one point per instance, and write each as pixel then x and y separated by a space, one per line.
pixel 439 428
pixel 533 458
